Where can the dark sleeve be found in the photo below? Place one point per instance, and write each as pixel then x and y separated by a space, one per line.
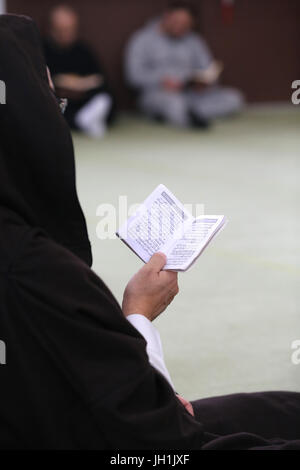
pixel 81 327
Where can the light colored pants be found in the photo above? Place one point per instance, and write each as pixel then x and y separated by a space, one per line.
pixel 175 107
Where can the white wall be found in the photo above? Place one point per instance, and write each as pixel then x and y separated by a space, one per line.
pixel 2 6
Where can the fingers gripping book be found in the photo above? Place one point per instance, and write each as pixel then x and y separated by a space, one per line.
pixel 163 224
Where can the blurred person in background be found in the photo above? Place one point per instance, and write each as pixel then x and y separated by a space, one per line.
pixel 174 72
pixel 77 75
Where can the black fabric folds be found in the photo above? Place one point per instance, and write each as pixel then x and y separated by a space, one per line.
pixel 37 171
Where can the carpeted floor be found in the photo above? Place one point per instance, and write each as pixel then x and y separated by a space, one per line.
pixel 231 327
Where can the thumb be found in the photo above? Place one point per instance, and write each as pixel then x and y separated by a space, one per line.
pixel 157 261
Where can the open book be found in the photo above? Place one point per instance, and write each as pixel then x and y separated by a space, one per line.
pixel 206 76
pixel 162 223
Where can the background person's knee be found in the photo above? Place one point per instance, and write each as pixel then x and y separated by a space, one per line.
pixel 176 110
pixel 233 101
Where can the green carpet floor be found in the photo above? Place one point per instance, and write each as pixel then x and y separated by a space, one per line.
pixel 231 327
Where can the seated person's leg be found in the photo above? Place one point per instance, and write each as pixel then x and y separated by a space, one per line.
pixel 215 102
pixel 170 106
pixel 267 414
pixel 92 117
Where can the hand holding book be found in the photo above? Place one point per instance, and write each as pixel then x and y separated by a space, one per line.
pixel 151 289
pixel 163 224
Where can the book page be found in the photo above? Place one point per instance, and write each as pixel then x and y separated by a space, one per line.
pixel 209 75
pixel 195 239
pixel 159 220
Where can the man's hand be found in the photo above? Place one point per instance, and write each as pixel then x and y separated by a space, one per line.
pixel 150 290
pixel 172 84
pixel 78 83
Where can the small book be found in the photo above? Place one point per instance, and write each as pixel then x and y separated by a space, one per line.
pixel 206 76
pixel 163 224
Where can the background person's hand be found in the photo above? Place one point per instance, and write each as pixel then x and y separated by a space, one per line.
pixel 150 290
pixel 172 84
pixel 78 83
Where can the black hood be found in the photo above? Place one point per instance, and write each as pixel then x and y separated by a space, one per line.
pixel 37 170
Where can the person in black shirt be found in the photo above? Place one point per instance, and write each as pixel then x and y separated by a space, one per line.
pixel 77 75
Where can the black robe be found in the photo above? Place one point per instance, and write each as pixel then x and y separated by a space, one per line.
pixel 77 375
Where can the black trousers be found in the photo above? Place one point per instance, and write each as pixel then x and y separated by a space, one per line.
pixel 251 420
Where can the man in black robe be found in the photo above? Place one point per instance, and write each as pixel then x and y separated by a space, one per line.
pixel 77 74
pixel 77 373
